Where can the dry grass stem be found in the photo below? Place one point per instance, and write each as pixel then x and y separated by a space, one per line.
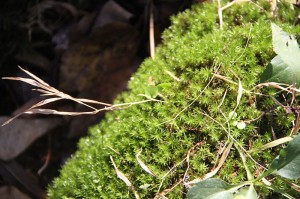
pixel 55 95
pixel 214 172
pixel 172 75
pixel 271 144
pixel 280 86
pixel 143 165
pixel 124 179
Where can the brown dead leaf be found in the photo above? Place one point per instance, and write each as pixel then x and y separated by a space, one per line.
pixel 143 165
pixel 13 173
pixel 124 178
pixel 9 192
pixel 16 137
pixel 112 12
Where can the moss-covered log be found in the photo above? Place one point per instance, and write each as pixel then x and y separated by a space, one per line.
pixel 195 76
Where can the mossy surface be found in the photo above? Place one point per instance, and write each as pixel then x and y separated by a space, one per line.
pixel 192 117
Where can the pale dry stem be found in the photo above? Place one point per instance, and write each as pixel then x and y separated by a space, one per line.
pixel 56 95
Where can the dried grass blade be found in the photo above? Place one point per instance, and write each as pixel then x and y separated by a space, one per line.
pixel 11 119
pixel 46 101
pixel 55 112
pixel 29 81
pixel 226 79
pixel 221 162
pixel 274 85
pixel 82 103
pixel 43 102
pixel 53 91
pixel 271 144
pixel 293 186
pixel 143 165
pixel 120 174
pixel 172 75
pixel 66 96
pixel 46 92
pixel 26 80
pixel 212 173
pixel 94 102
pixel 34 77
pixel 123 178
pixel 42 84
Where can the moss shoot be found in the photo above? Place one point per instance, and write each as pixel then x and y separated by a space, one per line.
pixel 195 77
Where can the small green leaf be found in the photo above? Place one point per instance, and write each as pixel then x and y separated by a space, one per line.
pixel 164 86
pixel 284 68
pixel 210 189
pixel 151 91
pixel 246 193
pixel 287 164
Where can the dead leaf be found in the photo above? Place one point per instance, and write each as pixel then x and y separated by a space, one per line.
pixel 124 178
pixel 120 174
pixel 143 165
pixel 221 162
pixel 16 137
pixel 112 12
pixel 14 174
pixel 9 192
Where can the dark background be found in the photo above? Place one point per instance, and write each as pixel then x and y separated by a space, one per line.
pixel 85 48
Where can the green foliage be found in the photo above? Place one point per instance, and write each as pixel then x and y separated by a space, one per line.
pixel 285 67
pixel 216 188
pixel 180 135
pixel 287 164
pixel 210 188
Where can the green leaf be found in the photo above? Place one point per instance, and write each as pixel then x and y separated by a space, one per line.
pixel 246 193
pixel 275 71
pixel 164 86
pixel 151 91
pixel 284 68
pixel 210 189
pixel 287 164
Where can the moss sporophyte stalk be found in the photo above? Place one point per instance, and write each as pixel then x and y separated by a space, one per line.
pixel 205 82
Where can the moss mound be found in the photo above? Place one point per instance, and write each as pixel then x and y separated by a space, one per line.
pixel 195 73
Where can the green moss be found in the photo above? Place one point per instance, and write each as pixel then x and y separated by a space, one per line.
pixel 190 120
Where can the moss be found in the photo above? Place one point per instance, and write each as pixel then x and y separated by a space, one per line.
pixel 190 120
